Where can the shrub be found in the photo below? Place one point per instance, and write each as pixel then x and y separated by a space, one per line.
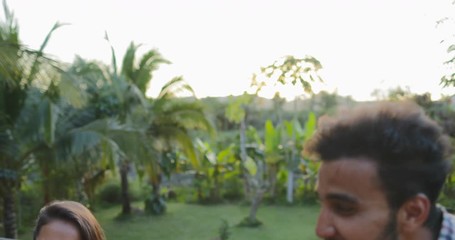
pixel 223 231
pixel 247 222
pixel 233 188
pixel 155 205
pixel 30 201
pixel 110 193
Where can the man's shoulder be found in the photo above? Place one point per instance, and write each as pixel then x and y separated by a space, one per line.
pixel 448 226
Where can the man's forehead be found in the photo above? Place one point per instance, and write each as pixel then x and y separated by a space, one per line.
pixel 350 167
pixel 348 177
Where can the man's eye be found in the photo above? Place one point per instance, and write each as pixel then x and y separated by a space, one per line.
pixel 344 209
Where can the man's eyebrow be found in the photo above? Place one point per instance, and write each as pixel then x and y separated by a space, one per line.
pixel 341 197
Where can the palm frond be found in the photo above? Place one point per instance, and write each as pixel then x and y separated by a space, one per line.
pixel 172 87
pixel 114 58
pixel 149 63
pixel 36 61
pixel 189 115
pixel 72 88
pixel 140 73
pixel 179 136
pixel 8 61
pixel 37 116
pixel 128 62
pixel 95 74
pixel 9 30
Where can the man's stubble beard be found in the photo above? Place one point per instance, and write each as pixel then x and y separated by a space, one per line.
pixel 390 231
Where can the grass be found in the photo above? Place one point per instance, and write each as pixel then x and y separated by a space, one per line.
pixel 195 222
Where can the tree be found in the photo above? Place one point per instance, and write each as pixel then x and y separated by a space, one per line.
pixel 272 153
pixel 236 112
pixel 252 169
pixel 448 80
pixel 214 165
pixel 83 143
pixel 170 125
pixel 166 120
pixel 295 138
pixel 122 96
pixel 25 76
pixel 289 70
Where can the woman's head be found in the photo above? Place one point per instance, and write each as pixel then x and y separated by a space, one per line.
pixel 68 219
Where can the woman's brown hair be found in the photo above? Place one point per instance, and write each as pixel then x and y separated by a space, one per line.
pixel 73 213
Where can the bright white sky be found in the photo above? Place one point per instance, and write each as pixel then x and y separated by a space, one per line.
pixel 217 45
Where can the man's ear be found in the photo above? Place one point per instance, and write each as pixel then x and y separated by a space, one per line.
pixel 413 214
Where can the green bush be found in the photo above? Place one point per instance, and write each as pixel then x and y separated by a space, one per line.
pixel 110 192
pixel 155 205
pixel 233 188
pixel 247 222
pixel 30 201
pixel 223 231
pixel 447 200
pixel 305 192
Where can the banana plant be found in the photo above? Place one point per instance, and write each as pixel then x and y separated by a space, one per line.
pixel 257 180
pixel 273 153
pixel 214 165
pixel 295 138
pixel 236 112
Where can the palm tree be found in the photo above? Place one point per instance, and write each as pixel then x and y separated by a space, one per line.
pixel 168 119
pixel 170 125
pixel 121 95
pixel 112 96
pixel 153 124
pixel 82 142
pixel 24 75
pixel 32 130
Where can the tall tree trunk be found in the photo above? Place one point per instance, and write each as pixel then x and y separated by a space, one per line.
pixel 256 201
pixel 243 156
pixel 126 202
pixel 290 189
pixel 156 186
pixel 46 178
pixel 216 190
pixel 293 160
pixel 273 172
pixel 198 182
pixel 9 214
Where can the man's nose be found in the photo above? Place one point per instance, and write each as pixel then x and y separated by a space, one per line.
pixel 324 227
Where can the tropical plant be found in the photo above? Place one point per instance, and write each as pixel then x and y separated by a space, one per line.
pixel 295 139
pixel 448 80
pixel 251 159
pixel 236 112
pixel 113 99
pixel 289 70
pixel 169 126
pixel 273 154
pixel 166 121
pixel 214 166
pixel 257 181
pixel 25 75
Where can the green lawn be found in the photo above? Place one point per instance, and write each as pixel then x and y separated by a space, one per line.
pixel 194 222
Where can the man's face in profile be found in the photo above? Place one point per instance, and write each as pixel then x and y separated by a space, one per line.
pixel 353 204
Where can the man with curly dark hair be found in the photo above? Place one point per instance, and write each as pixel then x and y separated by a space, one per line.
pixel 383 167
